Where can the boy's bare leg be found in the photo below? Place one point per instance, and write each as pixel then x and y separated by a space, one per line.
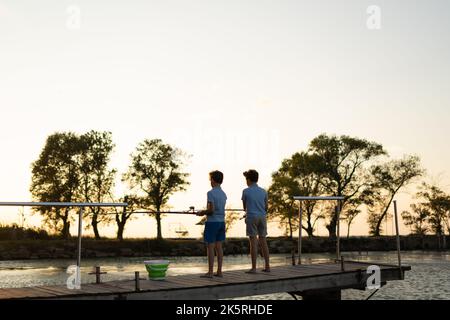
pixel 253 252
pixel 265 252
pixel 210 259
pixel 219 252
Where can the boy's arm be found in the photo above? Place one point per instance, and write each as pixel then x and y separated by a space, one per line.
pixel 244 205
pixel 266 202
pixel 209 209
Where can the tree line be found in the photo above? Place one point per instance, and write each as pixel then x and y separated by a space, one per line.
pixel 362 172
pixel 76 168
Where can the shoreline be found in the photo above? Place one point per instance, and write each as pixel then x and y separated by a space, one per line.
pixel 66 249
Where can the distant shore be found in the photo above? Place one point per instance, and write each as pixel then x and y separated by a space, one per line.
pixel 66 249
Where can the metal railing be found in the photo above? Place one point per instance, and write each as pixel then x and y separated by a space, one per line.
pixel 80 205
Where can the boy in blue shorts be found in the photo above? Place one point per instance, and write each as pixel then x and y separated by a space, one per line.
pixel 215 223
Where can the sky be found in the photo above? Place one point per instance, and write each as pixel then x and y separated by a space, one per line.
pixel 235 84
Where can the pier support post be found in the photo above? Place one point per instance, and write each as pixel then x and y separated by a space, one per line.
pixel 300 218
pixel 137 281
pixel 80 231
pixel 338 230
pixel 397 235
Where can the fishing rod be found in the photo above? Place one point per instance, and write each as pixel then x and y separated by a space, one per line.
pixel 191 211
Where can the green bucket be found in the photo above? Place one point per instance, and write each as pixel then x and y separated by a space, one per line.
pixel 156 269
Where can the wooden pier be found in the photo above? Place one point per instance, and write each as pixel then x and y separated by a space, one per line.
pixel 311 281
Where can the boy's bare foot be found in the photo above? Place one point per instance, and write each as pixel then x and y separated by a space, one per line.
pixel 207 275
pixel 266 270
pixel 251 271
pixel 218 274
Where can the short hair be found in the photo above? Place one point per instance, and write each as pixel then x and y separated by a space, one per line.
pixel 251 175
pixel 216 176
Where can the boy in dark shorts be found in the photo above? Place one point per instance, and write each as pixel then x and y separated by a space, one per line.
pixel 214 232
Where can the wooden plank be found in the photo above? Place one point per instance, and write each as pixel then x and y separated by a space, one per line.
pixel 330 269
pixel 122 285
pixel 306 270
pixel 245 278
pixel 45 291
pixel 99 288
pixel 29 292
pixel 18 293
pixel 57 290
pixel 194 282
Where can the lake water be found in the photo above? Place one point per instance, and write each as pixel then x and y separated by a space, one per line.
pixel 429 278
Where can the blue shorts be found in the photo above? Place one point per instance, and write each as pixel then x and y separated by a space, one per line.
pixel 214 232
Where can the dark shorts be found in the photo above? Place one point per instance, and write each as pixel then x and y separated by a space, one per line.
pixel 256 226
pixel 214 232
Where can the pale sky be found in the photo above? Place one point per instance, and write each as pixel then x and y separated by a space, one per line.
pixel 236 84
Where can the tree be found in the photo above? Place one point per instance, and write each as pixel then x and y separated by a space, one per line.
pixel 73 168
pixel 296 177
pixel 438 204
pixel 56 178
pixel 417 219
pixel 349 216
pixel 341 166
pixel 155 171
pixel 231 217
pixel 123 215
pixel 281 204
pixel 97 179
pixel 388 179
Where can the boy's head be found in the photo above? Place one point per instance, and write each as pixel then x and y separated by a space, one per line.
pixel 251 176
pixel 216 178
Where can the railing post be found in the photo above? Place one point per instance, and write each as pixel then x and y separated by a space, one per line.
pixel 338 233
pixel 300 217
pixel 398 240
pixel 97 274
pixel 80 231
pixel 137 280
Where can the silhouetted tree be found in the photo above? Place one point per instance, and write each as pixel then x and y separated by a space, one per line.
pixel 73 168
pixel 438 204
pixel 341 167
pixel 155 171
pixel 123 215
pixel 97 179
pixel 296 177
pixel 56 178
pixel 417 219
pixel 388 179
